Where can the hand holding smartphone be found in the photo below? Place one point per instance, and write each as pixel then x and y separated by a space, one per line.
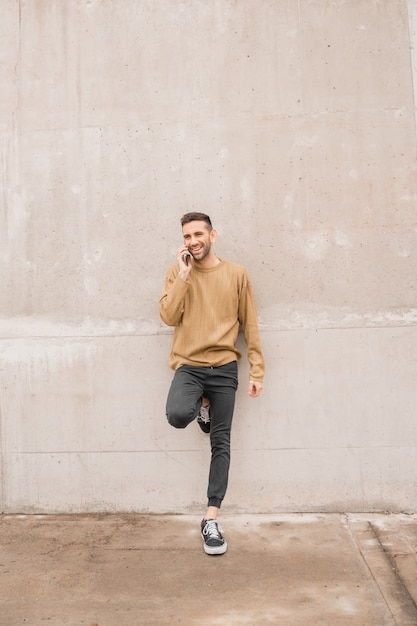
pixel 183 257
pixel 186 257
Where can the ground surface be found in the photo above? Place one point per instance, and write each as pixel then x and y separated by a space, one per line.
pixel 281 570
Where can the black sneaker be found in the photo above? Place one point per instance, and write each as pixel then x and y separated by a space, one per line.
pixel 203 419
pixel 211 532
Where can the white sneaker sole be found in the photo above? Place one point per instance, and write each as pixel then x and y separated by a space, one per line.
pixel 214 549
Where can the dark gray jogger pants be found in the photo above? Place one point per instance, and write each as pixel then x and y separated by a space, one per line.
pixel 219 384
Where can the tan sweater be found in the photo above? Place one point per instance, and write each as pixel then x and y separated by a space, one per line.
pixel 207 311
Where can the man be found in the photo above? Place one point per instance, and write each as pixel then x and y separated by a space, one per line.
pixel 207 299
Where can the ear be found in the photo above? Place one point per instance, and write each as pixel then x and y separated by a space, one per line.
pixel 213 235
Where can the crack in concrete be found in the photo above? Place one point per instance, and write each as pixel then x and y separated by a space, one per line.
pixel 383 569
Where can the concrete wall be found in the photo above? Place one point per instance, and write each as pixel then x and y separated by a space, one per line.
pixel 293 124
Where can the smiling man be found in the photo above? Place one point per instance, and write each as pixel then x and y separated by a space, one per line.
pixel 207 300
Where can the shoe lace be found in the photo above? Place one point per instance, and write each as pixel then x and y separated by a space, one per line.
pixel 211 528
pixel 204 415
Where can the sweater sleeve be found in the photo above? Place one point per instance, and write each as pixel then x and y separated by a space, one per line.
pixel 249 323
pixel 171 302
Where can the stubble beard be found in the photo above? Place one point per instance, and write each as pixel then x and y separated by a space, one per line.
pixel 205 251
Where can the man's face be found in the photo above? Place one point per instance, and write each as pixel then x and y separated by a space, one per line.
pixel 198 239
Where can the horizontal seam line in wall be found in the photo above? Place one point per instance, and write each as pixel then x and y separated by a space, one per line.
pixel 323 328
pixel 261 330
pixel 98 336
pixel 170 451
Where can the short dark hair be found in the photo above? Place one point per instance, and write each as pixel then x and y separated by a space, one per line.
pixel 194 216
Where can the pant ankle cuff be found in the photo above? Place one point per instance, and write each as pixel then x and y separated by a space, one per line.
pixel 215 502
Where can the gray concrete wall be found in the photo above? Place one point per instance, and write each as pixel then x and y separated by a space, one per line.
pixel 293 124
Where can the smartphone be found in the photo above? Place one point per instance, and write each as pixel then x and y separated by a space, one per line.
pixel 186 257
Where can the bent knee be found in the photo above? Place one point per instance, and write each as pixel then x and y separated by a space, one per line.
pixel 179 420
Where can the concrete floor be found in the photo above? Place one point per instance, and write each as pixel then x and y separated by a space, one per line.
pixel 286 570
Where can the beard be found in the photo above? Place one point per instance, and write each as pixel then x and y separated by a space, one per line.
pixel 201 254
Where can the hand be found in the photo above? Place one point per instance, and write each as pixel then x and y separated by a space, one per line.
pixel 184 268
pixel 255 388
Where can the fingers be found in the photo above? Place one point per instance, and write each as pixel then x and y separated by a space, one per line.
pixel 185 265
pixel 255 388
pixel 181 252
